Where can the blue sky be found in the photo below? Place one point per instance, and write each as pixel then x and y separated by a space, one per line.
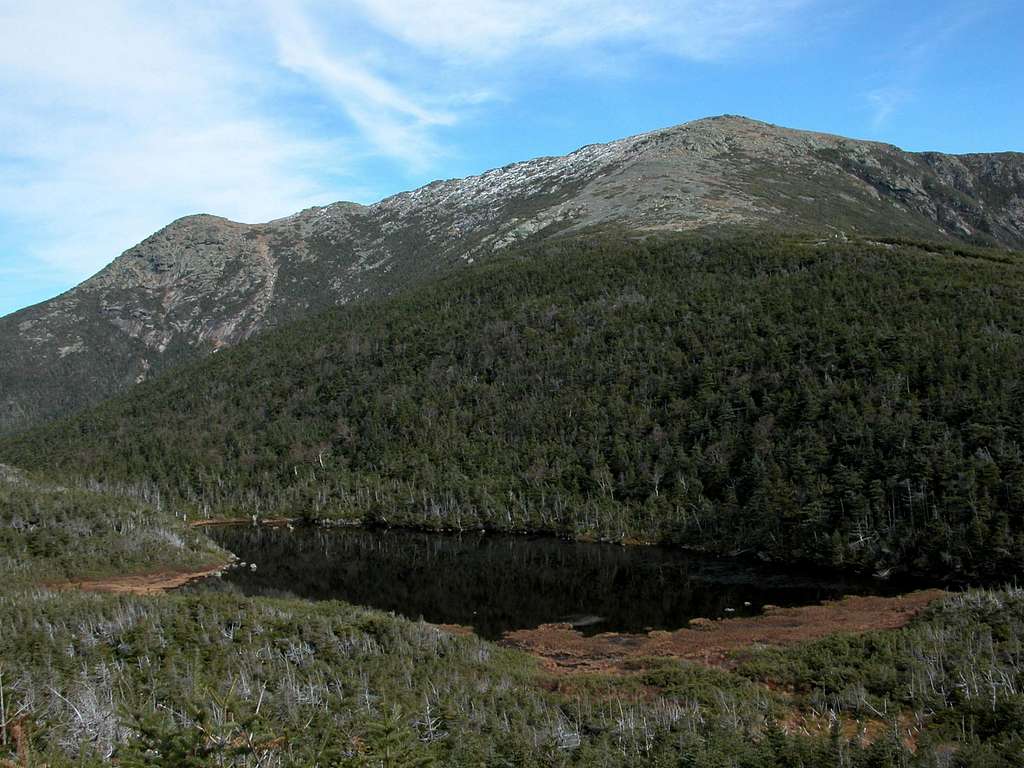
pixel 117 117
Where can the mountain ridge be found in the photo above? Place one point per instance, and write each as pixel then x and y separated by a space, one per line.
pixel 204 282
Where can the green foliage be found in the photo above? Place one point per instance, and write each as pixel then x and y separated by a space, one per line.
pixel 217 730
pixel 693 682
pixel 851 404
pixel 961 663
pixel 392 743
pixel 52 533
pixel 854 404
pixel 214 680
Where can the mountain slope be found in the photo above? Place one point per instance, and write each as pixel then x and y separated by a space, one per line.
pixel 851 404
pixel 203 283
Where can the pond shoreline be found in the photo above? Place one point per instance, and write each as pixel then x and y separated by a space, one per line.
pixel 497 582
pixel 145 583
pixel 890 577
pixel 563 650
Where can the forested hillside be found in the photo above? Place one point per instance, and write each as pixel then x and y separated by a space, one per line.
pixel 853 404
pixel 203 282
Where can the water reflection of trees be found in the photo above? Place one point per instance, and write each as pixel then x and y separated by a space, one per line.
pixel 495 583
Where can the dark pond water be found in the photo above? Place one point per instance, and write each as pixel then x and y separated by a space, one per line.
pixel 495 583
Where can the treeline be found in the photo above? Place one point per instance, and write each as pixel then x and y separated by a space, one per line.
pixel 851 404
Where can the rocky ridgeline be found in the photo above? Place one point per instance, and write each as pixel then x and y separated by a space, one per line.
pixel 204 282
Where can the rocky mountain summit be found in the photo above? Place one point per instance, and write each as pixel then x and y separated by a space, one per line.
pixel 204 282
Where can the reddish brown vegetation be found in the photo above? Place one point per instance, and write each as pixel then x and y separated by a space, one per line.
pixel 564 650
pixel 142 583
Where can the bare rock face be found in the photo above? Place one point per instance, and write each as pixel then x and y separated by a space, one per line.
pixel 204 282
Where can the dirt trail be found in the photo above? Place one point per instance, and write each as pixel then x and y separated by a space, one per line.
pixel 142 583
pixel 564 650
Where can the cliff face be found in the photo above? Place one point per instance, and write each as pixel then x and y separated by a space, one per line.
pixel 205 282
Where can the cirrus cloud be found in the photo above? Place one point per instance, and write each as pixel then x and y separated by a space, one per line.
pixel 120 116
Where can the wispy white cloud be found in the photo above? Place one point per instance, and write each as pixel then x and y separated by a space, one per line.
pixel 496 30
pixel 393 120
pixel 401 69
pixel 883 102
pixel 119 116
pixel 907 63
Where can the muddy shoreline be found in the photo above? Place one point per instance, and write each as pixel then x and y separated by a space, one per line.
pixel 563 650
pixel 151 583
